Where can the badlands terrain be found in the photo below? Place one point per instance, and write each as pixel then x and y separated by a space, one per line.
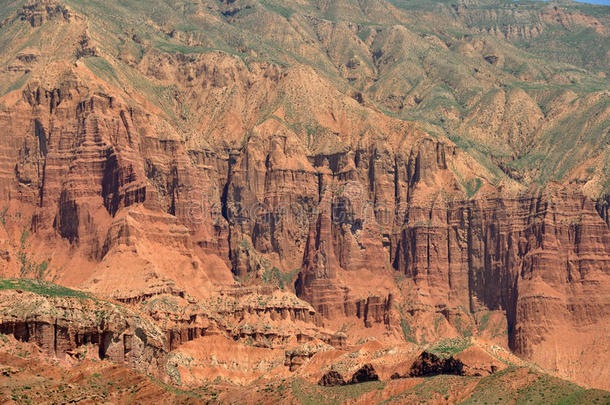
pixel 304 201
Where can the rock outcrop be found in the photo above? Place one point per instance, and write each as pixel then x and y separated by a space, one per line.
pixel 38 12
pixel 365 373
pixel 295 358
pixel 198 175
pixel 259 317
pixel 59 325
pixel 429 364
pixel 368 208
pixel 331 378
pixel 478 362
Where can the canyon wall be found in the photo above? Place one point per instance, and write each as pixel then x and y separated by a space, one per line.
pixel 62 325
pixel 282 178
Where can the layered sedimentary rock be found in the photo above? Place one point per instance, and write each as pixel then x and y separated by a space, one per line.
pixel 59 325
pixel 96 178
pixel 301 354
pixel 340 206
pixel 260 317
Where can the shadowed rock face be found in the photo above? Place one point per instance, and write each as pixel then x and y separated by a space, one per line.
pixel 331 378
pixel 110 191
pixel 365 373
pixel 429 364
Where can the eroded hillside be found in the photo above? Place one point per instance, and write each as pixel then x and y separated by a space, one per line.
pixel 280 173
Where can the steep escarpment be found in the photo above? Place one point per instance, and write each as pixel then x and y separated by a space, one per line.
pixel 261 317
pixel 95 173
pixel 292 193
pixel 521 255
pixel 60 325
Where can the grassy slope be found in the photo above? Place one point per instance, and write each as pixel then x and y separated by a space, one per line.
pixel 41 288
pixel 532 387
pixel 513 385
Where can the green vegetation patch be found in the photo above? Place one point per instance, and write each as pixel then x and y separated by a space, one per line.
pixel 278 9
pixel 313 394
pixel 449 347
pixel 41 288
pixel 532 388
pixel 484 321
pixel 179 48
pixel 276 277
pixel 29 267
pixel 435 389
pixel 17 84
pixel 3 212
pixel 407 332
pixel 101 67
pixel 472 186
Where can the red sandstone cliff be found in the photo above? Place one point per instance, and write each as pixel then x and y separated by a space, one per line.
pixel 100 185
pixel 373 221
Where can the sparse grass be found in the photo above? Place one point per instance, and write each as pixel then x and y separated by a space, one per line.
pixel 472 186
pixel 165 303
pixel 28 267
pixel 312 394
pixel 179 48
pixel 3 212
pixel 17 84
pixel 515 385
pixel 101 67
pixel 484 321
pixel 407 332
pixel 174 390
pixel 41 288
pixel 277 8
pixel 281 279
pixel 448 347
pixel 432 389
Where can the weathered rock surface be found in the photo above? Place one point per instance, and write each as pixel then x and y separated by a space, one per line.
pixel 368 208
pixel 261 173
pixel 59 325
pixel 527 255
pixel 429 364
pixel 295 358
pixel 331 379
pixel 365 373
pixel 269 319
pixel 477 362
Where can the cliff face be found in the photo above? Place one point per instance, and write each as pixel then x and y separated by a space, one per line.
pixel 542 259
pixel 61 325
pixel 94 175
pixel 198 174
